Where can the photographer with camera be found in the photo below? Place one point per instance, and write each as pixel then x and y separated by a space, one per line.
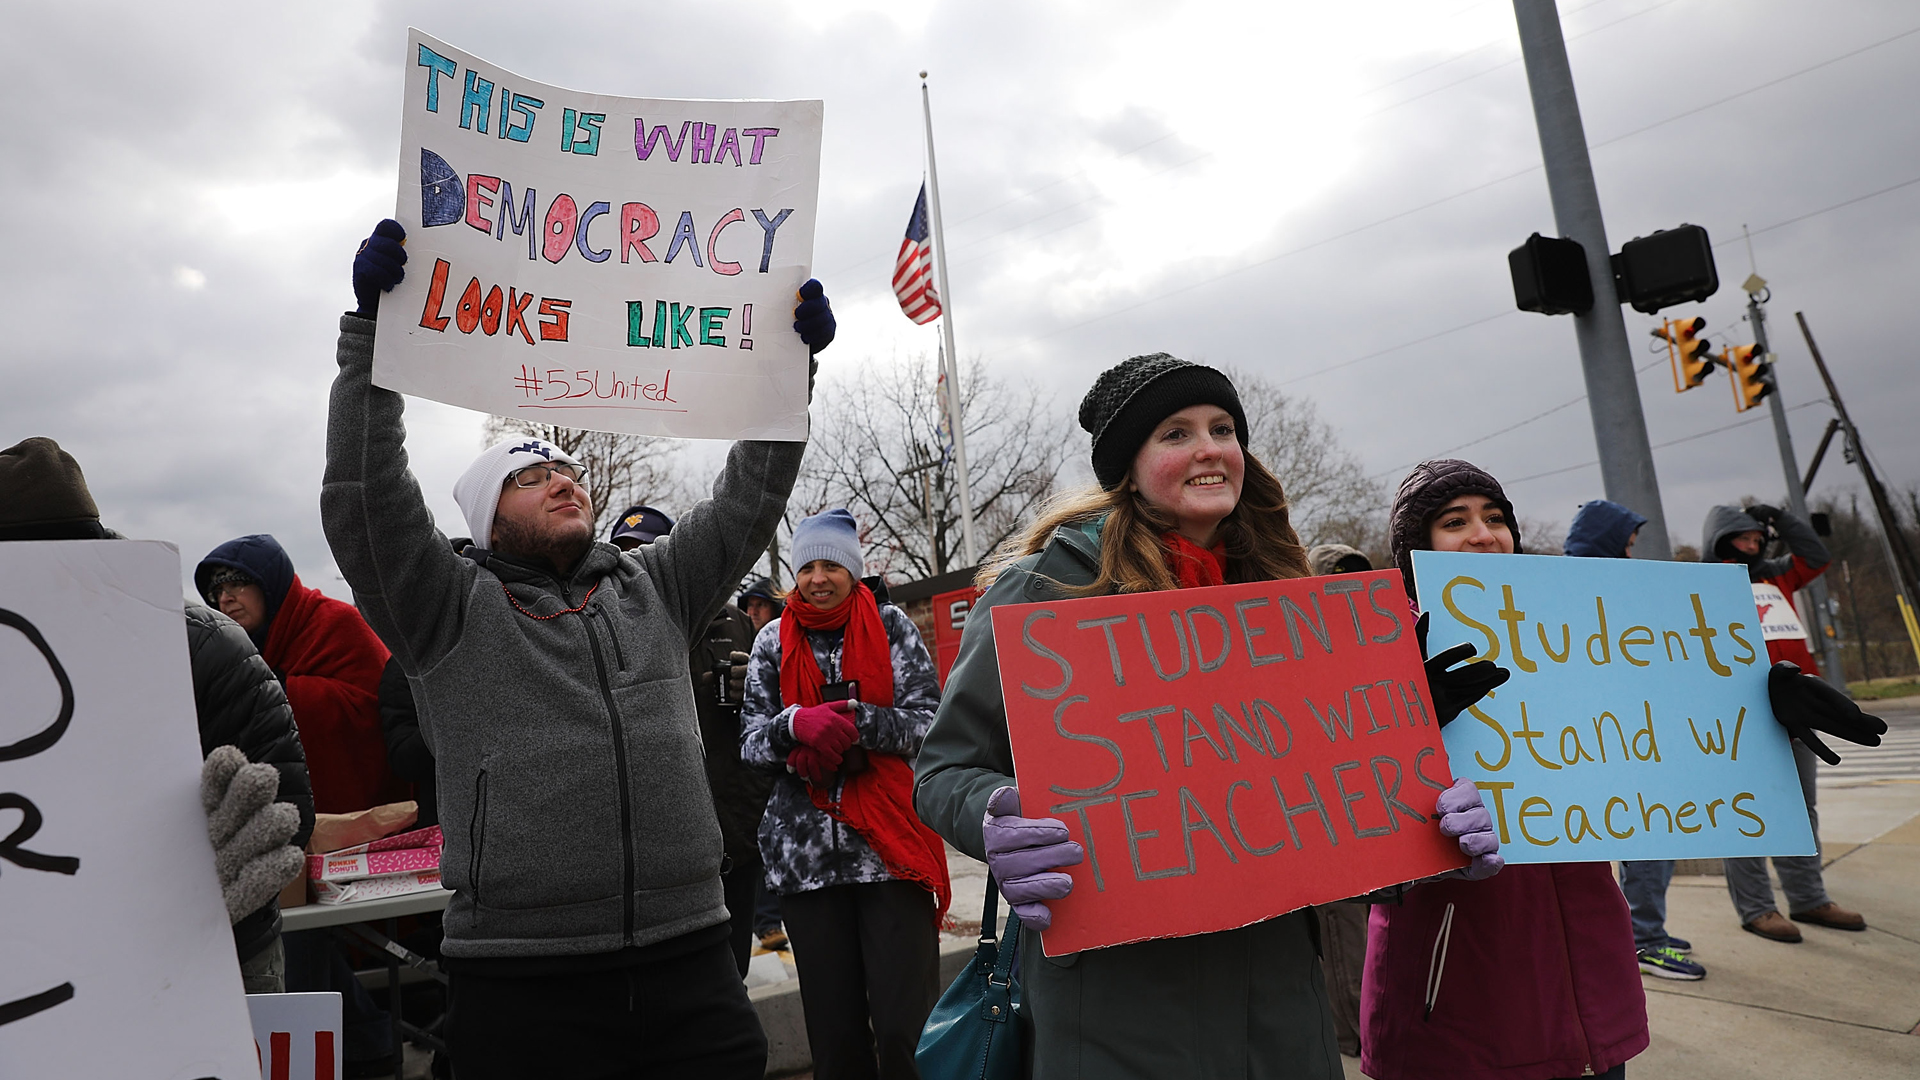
pixel 840 694
pixel 1738 535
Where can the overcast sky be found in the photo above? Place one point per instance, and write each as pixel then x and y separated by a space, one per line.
pixel 1321 193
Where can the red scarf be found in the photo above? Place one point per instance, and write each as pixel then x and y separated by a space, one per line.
pixel 1193 566
pixel 877 802
pixel 864 653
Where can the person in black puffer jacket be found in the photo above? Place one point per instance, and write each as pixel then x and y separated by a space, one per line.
pixel 241 704
pixel 237 700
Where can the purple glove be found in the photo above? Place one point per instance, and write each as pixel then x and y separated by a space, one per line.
pixel 1025 855
pixel 1464 816
pixel 827 728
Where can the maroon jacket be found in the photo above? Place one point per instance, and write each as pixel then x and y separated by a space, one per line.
pixel 1537 979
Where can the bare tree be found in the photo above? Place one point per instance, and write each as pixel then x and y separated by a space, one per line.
pixel 621 469
pixel 1333 499
pixel 876 450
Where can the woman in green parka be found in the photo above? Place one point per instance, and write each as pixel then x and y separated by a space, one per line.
pixel 1180 504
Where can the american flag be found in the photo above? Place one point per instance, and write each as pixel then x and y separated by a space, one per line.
pixel 913 268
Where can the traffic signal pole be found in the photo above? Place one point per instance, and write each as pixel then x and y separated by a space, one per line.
pixel 1816 606
pixel 1613 393
pixel 1901 565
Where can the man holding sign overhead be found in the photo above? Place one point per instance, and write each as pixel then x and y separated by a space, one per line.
pixel 588 932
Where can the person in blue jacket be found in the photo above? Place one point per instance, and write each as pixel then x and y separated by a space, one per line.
pixel 1606 530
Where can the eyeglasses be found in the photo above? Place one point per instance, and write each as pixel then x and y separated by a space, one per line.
pixel 534 476
pixel 221 591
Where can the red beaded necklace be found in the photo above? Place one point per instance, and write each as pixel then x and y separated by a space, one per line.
pixel 555 615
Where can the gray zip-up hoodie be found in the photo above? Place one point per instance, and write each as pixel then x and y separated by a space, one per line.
pixel 572 794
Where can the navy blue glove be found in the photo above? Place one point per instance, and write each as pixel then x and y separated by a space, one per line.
pixel 379 265
pixel 813 316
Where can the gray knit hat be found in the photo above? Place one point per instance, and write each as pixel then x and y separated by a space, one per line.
pixel 1129 398
pixel 832 536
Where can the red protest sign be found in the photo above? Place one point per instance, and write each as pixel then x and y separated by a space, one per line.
pixel 1227 754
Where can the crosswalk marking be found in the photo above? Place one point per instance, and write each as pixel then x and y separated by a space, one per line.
pixel 1895 761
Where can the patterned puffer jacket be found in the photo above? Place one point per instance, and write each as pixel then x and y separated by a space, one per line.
pixel 803 848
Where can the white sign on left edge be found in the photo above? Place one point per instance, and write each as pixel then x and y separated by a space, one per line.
pixel 116 957
pixel 622 264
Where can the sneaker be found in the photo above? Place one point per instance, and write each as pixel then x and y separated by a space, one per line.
pixel 1679 945
pixel 1667 962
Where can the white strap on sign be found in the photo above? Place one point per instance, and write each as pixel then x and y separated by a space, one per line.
pixel 1778 620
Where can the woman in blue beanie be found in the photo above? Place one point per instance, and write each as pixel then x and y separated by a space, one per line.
pixel 840 693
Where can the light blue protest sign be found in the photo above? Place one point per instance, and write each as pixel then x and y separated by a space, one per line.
pixel 1636 724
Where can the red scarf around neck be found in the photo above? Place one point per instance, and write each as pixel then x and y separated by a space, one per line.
pixel 876 802
pixel 864 653
pixel 1192 565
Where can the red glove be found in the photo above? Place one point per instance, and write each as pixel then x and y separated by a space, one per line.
pixel 827 728
pixel 810 764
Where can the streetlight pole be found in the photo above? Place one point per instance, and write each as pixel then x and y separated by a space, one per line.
pixel 1613 394
pixel 1816 590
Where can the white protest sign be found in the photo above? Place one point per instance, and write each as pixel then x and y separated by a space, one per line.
pixel 1778 620
pixel 116 958
pixel 297 1035
pixel 622 264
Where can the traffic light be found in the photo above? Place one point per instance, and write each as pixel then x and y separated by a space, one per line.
pixel 1686 352
pixel 1752 375
pixel 1672 266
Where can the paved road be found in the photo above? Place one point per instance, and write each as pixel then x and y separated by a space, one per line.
pixel 1895 761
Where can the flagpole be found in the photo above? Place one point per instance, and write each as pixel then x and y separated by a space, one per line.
pixel 948 361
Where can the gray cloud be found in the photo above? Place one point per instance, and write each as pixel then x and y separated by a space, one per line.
pixel 187 185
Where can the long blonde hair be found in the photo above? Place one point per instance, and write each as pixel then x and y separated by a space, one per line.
pixel 1261 544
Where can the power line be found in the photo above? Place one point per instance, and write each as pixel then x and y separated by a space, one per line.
pixel 1509 63
pixel 1669 442
pixel 1468 191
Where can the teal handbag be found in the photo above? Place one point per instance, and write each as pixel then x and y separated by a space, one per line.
pixel 974 1030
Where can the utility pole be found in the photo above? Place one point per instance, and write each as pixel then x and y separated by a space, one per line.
pixel 1613 394
pixel 1816 590
pixel 1900 563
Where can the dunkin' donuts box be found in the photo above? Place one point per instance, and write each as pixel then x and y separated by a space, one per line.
pixel 374 888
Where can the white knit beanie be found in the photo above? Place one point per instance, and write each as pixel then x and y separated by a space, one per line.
pixel 478 489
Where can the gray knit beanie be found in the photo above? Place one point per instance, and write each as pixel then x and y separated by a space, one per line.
pixel 832 536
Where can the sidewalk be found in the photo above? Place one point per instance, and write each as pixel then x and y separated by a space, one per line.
pixel 1838 1005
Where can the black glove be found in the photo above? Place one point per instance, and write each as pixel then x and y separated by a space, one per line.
pixel 378 266
pixel 1804 704
pixel 813 316
pixel 1454 690
pixel 1764 514
pixel 737 679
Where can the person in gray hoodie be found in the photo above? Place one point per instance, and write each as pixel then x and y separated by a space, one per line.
pixel 587 935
